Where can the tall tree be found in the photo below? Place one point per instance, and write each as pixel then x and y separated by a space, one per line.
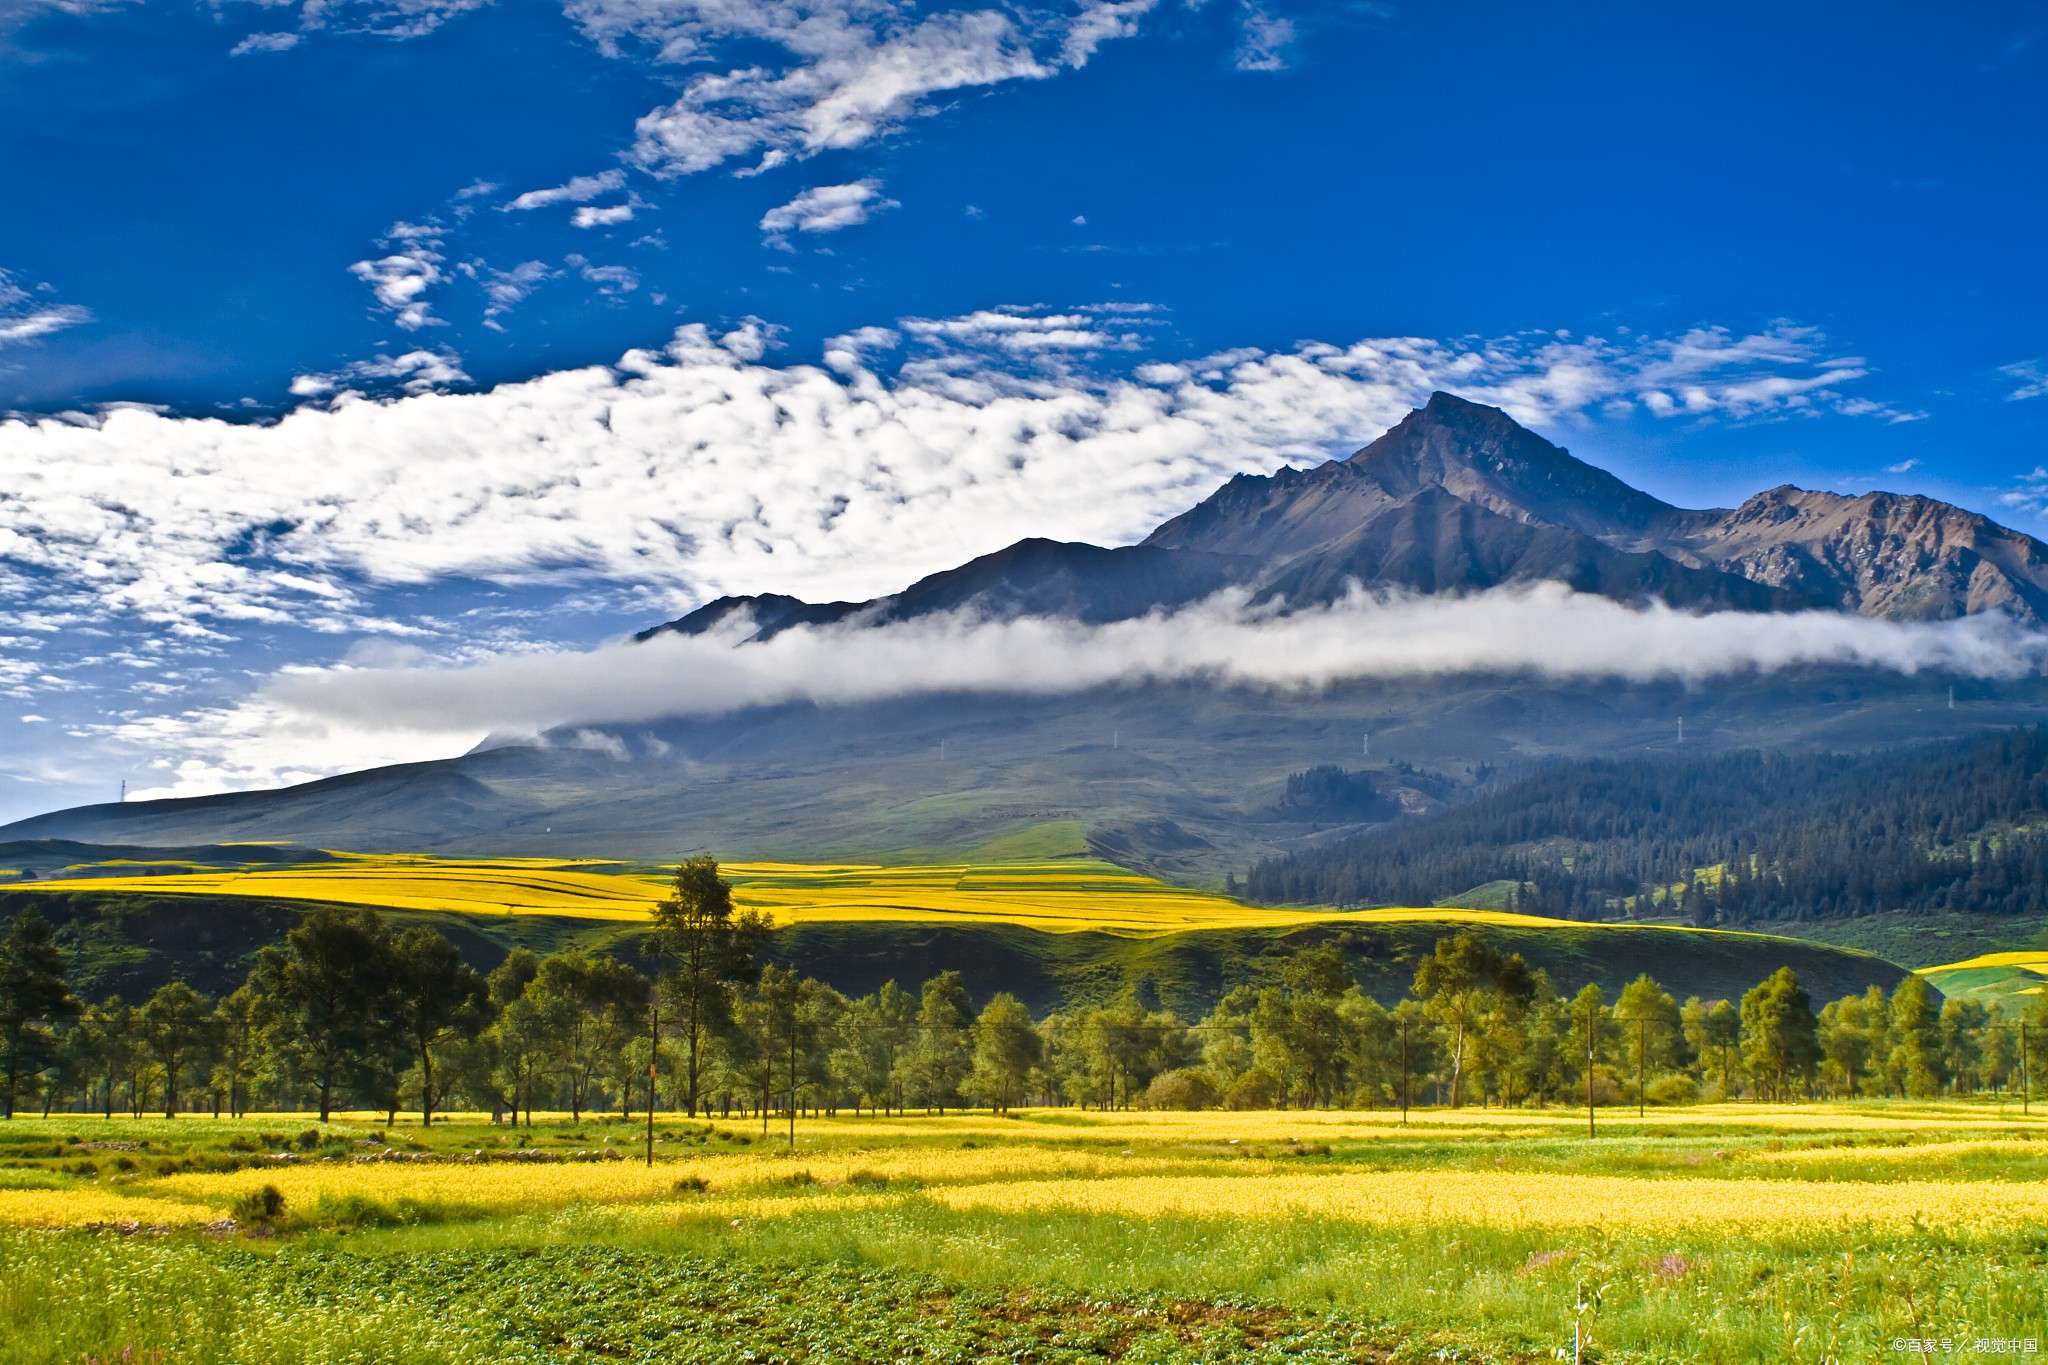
pixel 176 1026
pixel 1006 1047
pixel 438 998
pixel 708 948
pixel 1780 1037
pixel 1461 979
pixel 1916 1038
pixel 942 1055
pixel 327 991
pixel 34 996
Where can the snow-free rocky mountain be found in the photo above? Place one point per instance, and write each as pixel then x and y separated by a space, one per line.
pixel 1460 497
pixel 1186 779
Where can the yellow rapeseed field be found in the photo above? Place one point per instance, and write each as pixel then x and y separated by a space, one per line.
pixel 1053 896
pixel 1518 1199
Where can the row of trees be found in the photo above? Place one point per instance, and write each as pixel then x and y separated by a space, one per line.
pixel 346 1012
pixel 1716 839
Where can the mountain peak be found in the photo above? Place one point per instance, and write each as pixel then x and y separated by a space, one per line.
pixel 1486 457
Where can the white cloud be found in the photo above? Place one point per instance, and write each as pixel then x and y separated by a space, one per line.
pixel 608 215
pixel 417 371
pixel 1902 467
pixel 2032 376
pixel 507 289
pixel 704 468
pixel 853 71
pixel 826 208
pixel 1263 39
pixel 383 18
pixel 1543 629
pixel 28 314
pixel 264 42
pixel 576 190
pixel 1022 331
pixel 401 279
pixel 611 280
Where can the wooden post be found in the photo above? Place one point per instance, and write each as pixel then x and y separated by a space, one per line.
pixel 1589 1073
pixel 1642 1024
pixel 1404 1073
pixel 653 1051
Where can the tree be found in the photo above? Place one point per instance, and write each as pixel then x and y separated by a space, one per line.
pixel 438 997
pixel 1006 1047
pixel 874 1035
pixel 327 992
pixel 1916 1038
pixel 176 1023
pixel 1780 1038
pixel 1845 1040
pixel 107 1033
pixel 1462 978
pixel 941 1057
pixel 236 1031
pixel 710 948
pixel 34 996
pixel 590 1007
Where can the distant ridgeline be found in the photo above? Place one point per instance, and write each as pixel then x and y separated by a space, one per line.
pixel 1731 838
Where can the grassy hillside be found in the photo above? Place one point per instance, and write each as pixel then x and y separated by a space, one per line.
pixel 2007 982
pixel 1186 780
pixel 1049 929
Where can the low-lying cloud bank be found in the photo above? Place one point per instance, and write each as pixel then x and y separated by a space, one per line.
pixel 1546 630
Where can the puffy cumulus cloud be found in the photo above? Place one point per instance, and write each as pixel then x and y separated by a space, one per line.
pixel 708 466
pixel 851 70
pixel 826 208
pixel 29 312
pixel 413 372
pixel 605 215
pixel 401 278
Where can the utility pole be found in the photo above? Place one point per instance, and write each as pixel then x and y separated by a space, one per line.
pixel 1404 1073
pixel 792 1062
pixel 2026 1082
pixel 124 791
pixel 1642 1023
pixel 653 1051
pixel 1589 1073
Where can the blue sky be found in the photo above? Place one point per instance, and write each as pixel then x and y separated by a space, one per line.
pixel 475 328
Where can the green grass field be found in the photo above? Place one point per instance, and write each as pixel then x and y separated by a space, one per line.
pixel 1734 1232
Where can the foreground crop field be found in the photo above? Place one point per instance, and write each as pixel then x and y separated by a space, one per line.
pixel 1065 895
pixel 1731 1232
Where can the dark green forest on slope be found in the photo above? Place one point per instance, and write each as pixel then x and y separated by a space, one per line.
pixel 1727 839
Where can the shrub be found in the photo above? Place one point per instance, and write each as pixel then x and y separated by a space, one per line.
pixel 692 1184
pixel 1186 1088
pixel 1255 1089
pixel 262 1208
pixel 309 1139
pixel 1672 1087
pixel 866 1179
